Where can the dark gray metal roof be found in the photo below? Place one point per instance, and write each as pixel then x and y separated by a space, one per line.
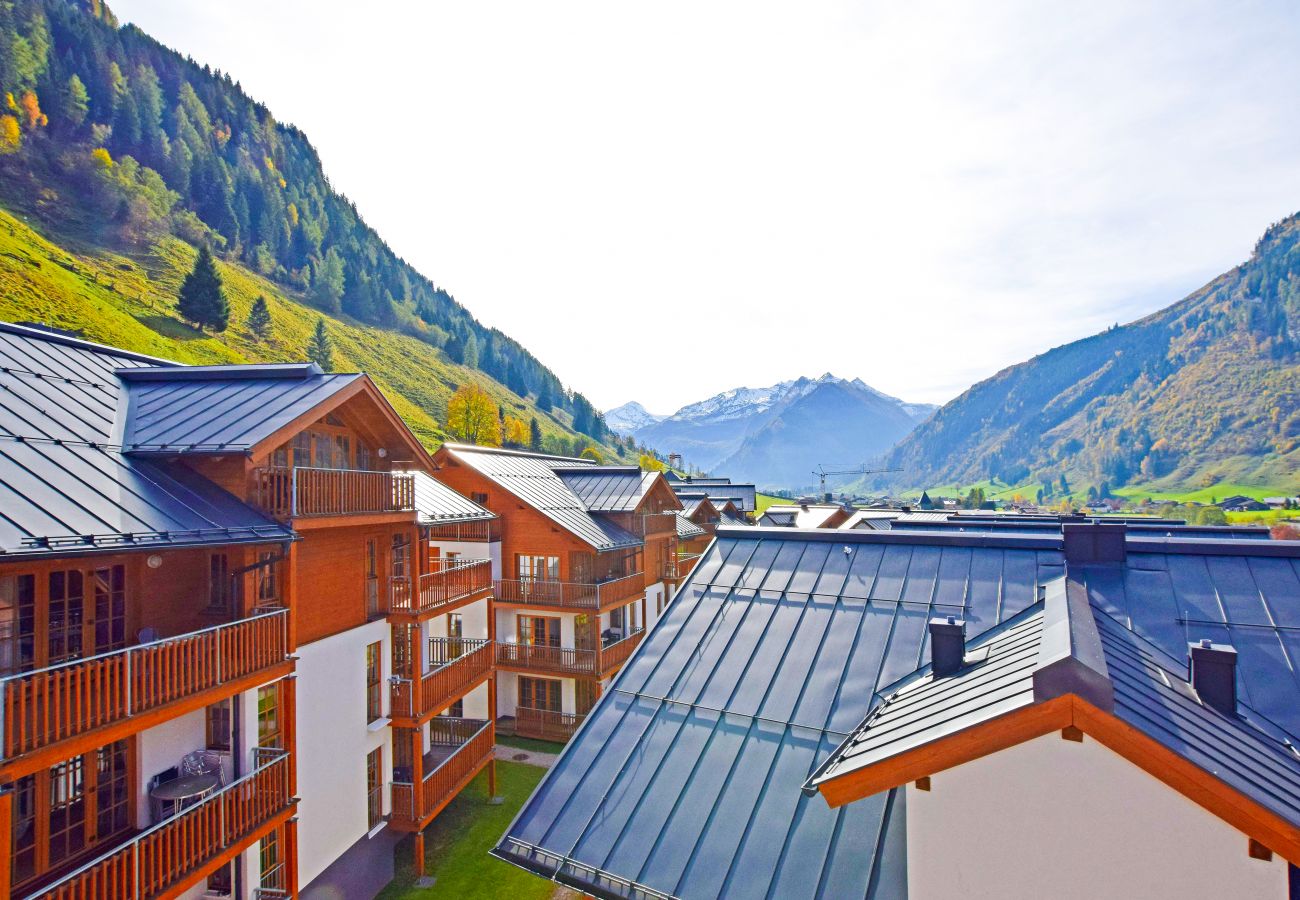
pixel 608 488
pixel 217 409
pixel 65 484
pixel 745 496
pixel 686 528
pixel 1117 635
pixel 533 478
pixel 685 779
pixel 436 503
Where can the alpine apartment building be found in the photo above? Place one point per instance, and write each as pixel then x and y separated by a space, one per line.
pixel 586 562
pixel 245 637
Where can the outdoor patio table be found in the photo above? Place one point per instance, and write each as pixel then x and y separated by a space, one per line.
pixel 172 796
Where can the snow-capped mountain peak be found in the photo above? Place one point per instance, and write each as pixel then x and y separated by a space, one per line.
pixel 629 417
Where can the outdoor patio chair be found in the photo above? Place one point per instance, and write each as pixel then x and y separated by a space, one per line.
pixel 204 762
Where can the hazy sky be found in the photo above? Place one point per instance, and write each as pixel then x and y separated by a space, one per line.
pixel 663 201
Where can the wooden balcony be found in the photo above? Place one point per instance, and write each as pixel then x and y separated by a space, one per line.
pixel 451 583
pixel 483 530
pixel 678 569
pixel 55 705
pixel 614 654
pixel 162 860
pixel 552 660
pixel 546 725
pixel 460 663
pixel 289 492
pixel 568 660
pixel 570 594
pixel 459 748
pixel 659 523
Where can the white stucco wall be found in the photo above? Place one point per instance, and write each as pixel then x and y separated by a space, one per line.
pixel 333 742
pixel 655 596
pixel 162 747
pixel 1066 820
pixel 473 619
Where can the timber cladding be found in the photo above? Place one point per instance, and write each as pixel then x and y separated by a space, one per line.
pixel 332 574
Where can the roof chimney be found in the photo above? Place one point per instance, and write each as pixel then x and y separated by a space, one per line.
pixel 1212 670
pixel 947 645
pixel 1093 542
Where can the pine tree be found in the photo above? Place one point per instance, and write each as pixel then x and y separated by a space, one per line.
pixel 259 318
pixel 201 300
pixel 320 349
pixel 534 435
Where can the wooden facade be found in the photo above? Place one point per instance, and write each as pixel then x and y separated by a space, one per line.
pixel 96 649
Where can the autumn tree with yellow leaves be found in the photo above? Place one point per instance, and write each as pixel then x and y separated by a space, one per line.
pixel 472 416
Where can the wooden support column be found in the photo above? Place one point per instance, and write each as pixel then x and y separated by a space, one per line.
pixel 289 731
pixel 290 592
pixel 291 857
pixel 492 718
pixel 6 839
pixel 419 854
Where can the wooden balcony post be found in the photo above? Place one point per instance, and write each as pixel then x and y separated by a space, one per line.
pixel 291 857
pixel 419 854
pixel 289 703
pixel 290 592
pixel 6 839
pixel 492 717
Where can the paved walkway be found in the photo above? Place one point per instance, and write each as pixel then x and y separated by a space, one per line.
pixel 527 757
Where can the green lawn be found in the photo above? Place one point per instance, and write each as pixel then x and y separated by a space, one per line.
pixel 763 501
pixel 456 846
pixel 529 744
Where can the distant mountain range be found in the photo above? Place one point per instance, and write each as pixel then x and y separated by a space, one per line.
pixel 626 419
pixel 1204 392
pixel 776 435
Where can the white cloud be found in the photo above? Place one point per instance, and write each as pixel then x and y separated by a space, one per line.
pixel 918 194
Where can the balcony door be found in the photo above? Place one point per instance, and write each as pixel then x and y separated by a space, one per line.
pixel 62 615
pixel 539 631
pixel 540 693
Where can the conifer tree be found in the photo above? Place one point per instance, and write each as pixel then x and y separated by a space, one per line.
pixel 202 300
pixel 534 435
pixel 259 318
pixel 320 349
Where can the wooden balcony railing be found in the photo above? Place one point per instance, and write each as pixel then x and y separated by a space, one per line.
pixel 63 701
pixel 561 660
pixel 680 567
pixel 570 594
pixel 546 725
pixel 286 492
pixel 153 862
pixel 451 581
pixel 460 662
pixel 473 740
pixel 659 523
pixel 484 530
pixel 612 655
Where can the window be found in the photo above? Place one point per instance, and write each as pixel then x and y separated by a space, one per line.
pixel 301 449
pixel 109 585
pixel 375 787
pixel 268 590
pixel 268 715
pixel 538 568
pixel 539 631
pixel 372 577
pixel 218 580
pixel 539 693
pixel 218 725
pixel 66 615
pixel 17 623
pixel 456 710
pixel 342 451
pixel 268 856
pixel 374 696
pixel 364 460
pixel 480 498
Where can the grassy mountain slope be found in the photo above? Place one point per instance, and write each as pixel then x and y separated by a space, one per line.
pixel 127 298
pixel 1206 391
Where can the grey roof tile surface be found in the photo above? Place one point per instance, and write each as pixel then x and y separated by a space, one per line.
pixel 685 779
pixel 435 502
pixel 66 486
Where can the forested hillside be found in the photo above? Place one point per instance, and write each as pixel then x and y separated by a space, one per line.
pixel 1207 390
pixel 113 144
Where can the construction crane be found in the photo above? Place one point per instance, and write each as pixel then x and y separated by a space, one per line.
pixel 822 472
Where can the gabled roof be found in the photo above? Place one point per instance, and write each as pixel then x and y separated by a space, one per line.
pixel 870 518
pixel 685 779
pixel 810 515
pixel 66 485
pixel 216 409
pixel 686 528
pixel 609 488
pixel 745 496
pixel 535 479
pixel 1114 682
pixel 436 503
